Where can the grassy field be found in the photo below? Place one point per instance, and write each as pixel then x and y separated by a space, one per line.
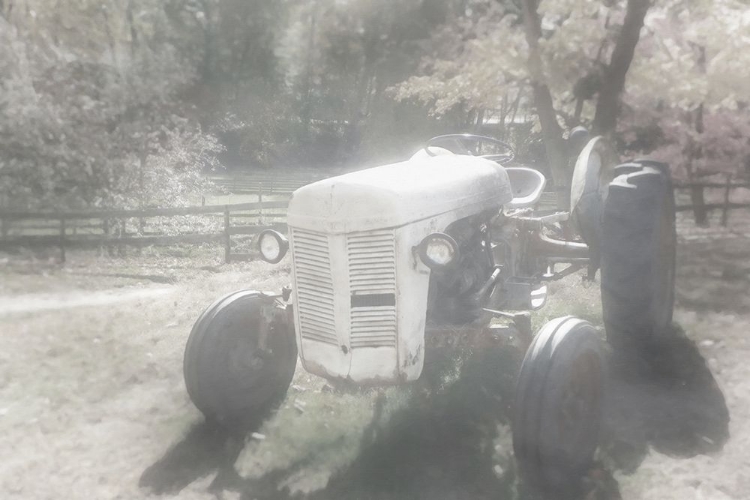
pixel 92 403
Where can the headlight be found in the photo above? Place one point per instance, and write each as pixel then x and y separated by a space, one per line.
pixel 438 251
pixel 272 245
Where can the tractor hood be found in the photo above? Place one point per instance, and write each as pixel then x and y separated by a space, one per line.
pixel 399 194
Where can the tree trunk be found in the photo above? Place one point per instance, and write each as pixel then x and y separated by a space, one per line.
pixel 554 144
pixel 209 43
pixel 479 121
pixel 110 40
pixel 608 105
pixel 695 152
pixel 133 31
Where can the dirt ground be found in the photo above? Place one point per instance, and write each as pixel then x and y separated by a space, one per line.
pixel 92 402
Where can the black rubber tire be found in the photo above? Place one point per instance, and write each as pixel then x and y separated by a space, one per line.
pixel 638 258
pixel 558 406
pixel 227 376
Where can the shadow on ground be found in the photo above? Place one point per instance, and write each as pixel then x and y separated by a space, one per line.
pixel 674 406
pixel 443 444
pixel 206 449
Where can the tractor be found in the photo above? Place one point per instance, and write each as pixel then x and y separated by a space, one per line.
pixel 389 260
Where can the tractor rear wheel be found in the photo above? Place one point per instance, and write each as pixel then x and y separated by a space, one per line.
pixel 638 258
pixel 558 406
pixel 239 359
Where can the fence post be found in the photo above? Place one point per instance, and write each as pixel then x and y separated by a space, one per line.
pixel 105 236
pixel 123 233
pixel 62 240
pixel 260 203
pixel 699 204
pixel 227 242
pixel 725 212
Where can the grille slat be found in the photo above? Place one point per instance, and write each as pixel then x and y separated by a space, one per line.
pixel 321 338
pixel 319 281
pixel 377 289
pixel 381 266
pixel 314 274
pixel 385 278
pixel 382 256
pixel 316 317
pixel 323 301
pixel 374 320
pixel 314 287
pixel 368 249
pixel 319 329
pixel 313 263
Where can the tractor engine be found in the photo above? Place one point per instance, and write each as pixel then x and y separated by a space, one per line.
pixel 453 293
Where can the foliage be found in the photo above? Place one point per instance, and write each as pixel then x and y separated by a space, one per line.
pixel 338 58
pixel 686 100
pixel 81 126
pixel 691 55
pixel 131 113
pixel 484 65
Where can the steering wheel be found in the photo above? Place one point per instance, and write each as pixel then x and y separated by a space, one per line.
pixel 471 144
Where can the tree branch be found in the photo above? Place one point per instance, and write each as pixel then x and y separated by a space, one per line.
pixel 607 107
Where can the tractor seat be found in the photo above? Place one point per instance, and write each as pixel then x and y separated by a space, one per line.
pixel 527 185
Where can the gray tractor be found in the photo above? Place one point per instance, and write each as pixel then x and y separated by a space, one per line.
pixel 391 260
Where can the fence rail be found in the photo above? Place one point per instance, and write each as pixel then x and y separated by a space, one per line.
pixel 108 229
pixel 136 214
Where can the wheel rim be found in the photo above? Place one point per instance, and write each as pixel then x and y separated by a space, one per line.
pixel 243 358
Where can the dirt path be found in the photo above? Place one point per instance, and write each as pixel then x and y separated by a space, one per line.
pixel 40 302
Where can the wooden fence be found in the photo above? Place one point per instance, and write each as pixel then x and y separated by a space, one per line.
pixel 112 230
pixel 272 183
pixel 118 229
pixel 695 192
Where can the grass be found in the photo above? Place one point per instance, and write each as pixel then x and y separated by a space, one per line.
pixel 316 432
pixel 571 296
pixel 92 397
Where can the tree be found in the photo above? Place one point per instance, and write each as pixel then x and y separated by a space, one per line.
pixel 610 89
pixel 79 121
pixel 339 58
pixel 557 157
pixel 548 55
pixel 690 87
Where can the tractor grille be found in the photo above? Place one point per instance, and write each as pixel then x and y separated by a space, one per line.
pixel 372 278
pixel 372 266
pixel 314 286
pixel 373 327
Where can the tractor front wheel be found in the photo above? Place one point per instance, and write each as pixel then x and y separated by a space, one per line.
pixel 558 406
pixel 240 358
